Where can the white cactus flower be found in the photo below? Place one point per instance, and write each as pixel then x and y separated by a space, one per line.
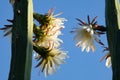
pixel 51 30
pixel 50 60
pixel 85 38
pixel 87 33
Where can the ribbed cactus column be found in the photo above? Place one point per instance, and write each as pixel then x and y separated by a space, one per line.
pixel 112 15
pixel 21 58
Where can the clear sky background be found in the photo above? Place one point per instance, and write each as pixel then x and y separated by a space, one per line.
pixel 80 65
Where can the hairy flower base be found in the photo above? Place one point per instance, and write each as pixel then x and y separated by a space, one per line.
pixel 50 60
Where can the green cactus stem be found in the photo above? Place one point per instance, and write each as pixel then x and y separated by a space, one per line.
pixel 112 16
pixel 21 57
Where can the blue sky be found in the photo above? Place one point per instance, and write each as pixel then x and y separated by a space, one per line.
pixel 80 65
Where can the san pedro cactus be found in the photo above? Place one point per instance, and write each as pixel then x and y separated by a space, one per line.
pixel 21 58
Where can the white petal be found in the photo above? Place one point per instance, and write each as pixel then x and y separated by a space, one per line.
pixel 83 48
pixel 88 49
pixel 108 62
pixel 58 60
pixel 49 70
pixel 45 70
pixel 53 69
pixel 63 55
